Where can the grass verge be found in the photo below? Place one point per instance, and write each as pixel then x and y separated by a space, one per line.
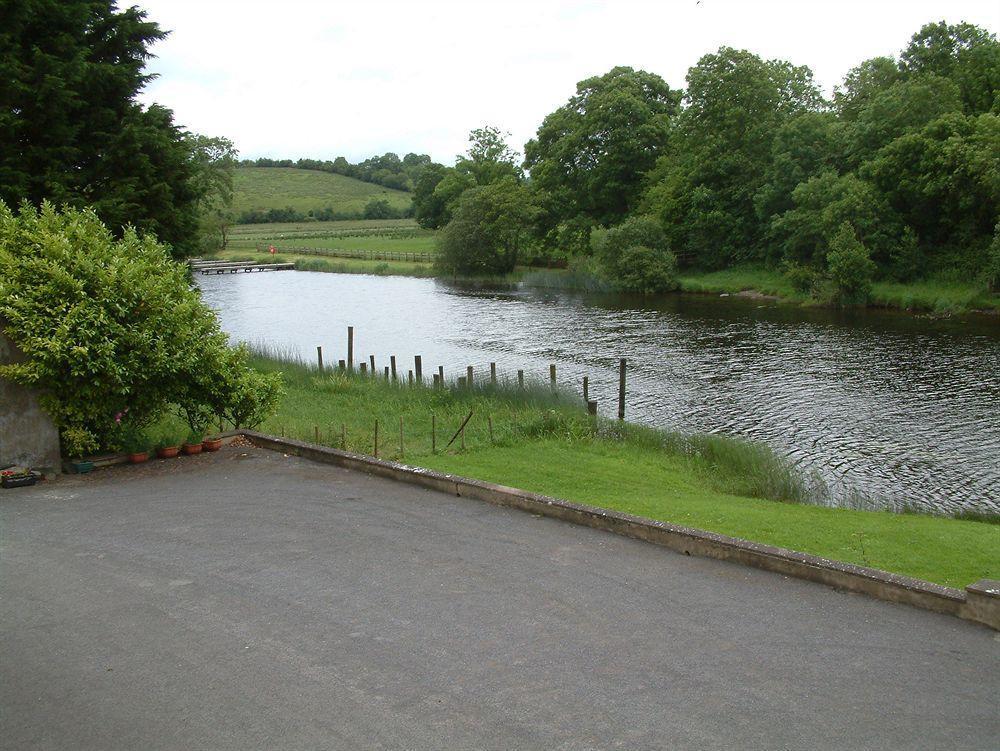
pixel 541 440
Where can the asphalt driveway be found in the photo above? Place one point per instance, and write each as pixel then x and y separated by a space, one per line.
pixel 252 600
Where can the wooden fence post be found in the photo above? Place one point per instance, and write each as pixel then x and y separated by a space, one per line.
pixel 319 358
pixel 418 367
pixel 350 348
pixel 468 372
pixel 493 373
pixel 372 361
pixel 409 377
pixel 592 407
pixel 586 389
pixel 441 375
pixel 520 379
pixel 364 368
pixel 387 372
pixel 341 364
pixel 621 389
pixel 392 362
pixel 552 375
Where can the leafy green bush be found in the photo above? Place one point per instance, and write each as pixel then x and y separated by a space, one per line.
pixel 635 256
pixel 488 231
pixel 802 278
pixel 112 332
pixel 851 268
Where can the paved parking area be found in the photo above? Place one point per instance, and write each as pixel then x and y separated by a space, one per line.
pixel 252 600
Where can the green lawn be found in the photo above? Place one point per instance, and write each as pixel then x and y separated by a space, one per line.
pixel 545 443
pixel 281 187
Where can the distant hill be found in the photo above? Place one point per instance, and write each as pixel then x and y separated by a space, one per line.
pixel 264 188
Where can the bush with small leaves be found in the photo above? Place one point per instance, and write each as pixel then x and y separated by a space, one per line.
pixel 850 267
pixel 635 257
pixel 112 332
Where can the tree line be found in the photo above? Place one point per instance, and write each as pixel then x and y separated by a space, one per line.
pixel 897 176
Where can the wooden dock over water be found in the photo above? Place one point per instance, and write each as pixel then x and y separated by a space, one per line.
pixel 233 267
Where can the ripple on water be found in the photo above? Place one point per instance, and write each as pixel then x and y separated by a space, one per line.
pixel 882 406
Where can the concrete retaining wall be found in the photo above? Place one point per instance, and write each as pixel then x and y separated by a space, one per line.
pixel 980 602
pixel 27 435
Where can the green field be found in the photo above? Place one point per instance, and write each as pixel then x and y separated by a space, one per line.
pixel 285 230
pixel 304 190
pixel 545 443
pixel 424 242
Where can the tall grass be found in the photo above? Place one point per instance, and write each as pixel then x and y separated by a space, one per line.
pixel 340 409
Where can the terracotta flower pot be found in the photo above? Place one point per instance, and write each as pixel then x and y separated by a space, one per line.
pixel 211 444
pixel 138 457
pixel 168 452
pixel 191 448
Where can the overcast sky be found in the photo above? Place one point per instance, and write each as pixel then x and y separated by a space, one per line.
pixel 323 79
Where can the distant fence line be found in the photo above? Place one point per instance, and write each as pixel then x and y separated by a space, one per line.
pixel 237 234
pixel 371 255
pixel 391 255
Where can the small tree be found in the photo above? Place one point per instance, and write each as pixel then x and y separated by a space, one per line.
pixel 489 230
pixel 378 208
pixel 850 267
pixel 635 256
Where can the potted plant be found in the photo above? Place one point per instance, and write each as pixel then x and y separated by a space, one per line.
pixel 211 444
pixel 168 446
pixel 193 443
pixel 77 442
pixel 135 444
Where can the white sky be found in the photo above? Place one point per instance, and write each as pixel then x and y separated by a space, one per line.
pixel 302 78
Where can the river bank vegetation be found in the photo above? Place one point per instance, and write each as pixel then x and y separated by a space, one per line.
pixel 543 440
pixel 895 180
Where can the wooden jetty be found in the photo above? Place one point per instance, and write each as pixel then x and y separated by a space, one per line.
pixel 233 267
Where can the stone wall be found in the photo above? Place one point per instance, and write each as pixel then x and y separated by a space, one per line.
pixel 27 434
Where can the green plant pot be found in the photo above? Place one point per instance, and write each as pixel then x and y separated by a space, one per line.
pixel 81 467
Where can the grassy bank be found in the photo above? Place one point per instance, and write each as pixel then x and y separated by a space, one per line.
pixel 331 264
pixel 543 442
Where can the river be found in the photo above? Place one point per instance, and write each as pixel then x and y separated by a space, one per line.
pixel 882 409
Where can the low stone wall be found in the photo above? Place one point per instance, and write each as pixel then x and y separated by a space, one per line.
pixel 980 602
pixel 27 435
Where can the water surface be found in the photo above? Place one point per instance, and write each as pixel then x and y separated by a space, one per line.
pixel 884 408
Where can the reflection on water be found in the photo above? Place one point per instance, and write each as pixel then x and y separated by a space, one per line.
pixel 896 408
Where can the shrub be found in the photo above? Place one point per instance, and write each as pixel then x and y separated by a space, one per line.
pixel 635 256
pixel 850 267
pixel 488 231
pixel 112 331
pixel 802 278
